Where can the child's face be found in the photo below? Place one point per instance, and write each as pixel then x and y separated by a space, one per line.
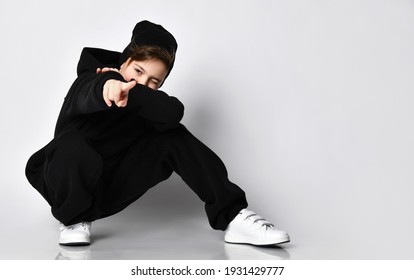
pixel 150 73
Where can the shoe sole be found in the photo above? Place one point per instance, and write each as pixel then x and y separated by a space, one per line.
pixel 259 245
pixel 75 244
pixel 243 240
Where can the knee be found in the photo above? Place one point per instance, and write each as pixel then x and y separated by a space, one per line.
pixel 179 134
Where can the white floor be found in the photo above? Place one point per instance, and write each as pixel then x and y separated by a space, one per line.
pixel 157 227
pixel 142 231
pixel 119 238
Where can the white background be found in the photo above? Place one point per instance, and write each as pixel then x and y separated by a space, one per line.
pixel 308 103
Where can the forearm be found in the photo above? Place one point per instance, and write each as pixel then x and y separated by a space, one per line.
pixel 86 96
pixel 161 110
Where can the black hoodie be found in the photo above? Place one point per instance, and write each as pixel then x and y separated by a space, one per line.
pixel 85 109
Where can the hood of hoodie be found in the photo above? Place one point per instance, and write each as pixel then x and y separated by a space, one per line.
pixel 93 58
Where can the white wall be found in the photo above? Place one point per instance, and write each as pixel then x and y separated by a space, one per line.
pixel 309 103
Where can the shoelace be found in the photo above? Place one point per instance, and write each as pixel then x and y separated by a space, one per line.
pixel 260 220
pixel 82 224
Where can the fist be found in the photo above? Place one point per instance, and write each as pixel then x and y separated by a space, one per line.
pixel 117 91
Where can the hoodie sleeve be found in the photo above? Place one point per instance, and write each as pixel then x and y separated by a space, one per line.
pixel 159 109
pixel 85 95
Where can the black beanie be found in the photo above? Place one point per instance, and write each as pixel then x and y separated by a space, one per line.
pixel 150 34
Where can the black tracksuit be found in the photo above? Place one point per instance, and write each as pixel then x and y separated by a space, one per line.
pixel 104 158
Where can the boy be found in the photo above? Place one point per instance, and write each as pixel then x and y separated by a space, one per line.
pixel 117 135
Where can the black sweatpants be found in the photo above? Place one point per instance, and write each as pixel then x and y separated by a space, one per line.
pixel 82 184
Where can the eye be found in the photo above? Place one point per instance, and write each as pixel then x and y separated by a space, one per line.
pixel 138 71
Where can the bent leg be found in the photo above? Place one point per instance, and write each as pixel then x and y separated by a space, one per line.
pixel 127 177
pixel 69 178
pixel 153 158
pixel 206 175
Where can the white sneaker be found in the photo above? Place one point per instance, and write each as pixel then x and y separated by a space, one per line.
pixel 248 227
pixel 75 235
